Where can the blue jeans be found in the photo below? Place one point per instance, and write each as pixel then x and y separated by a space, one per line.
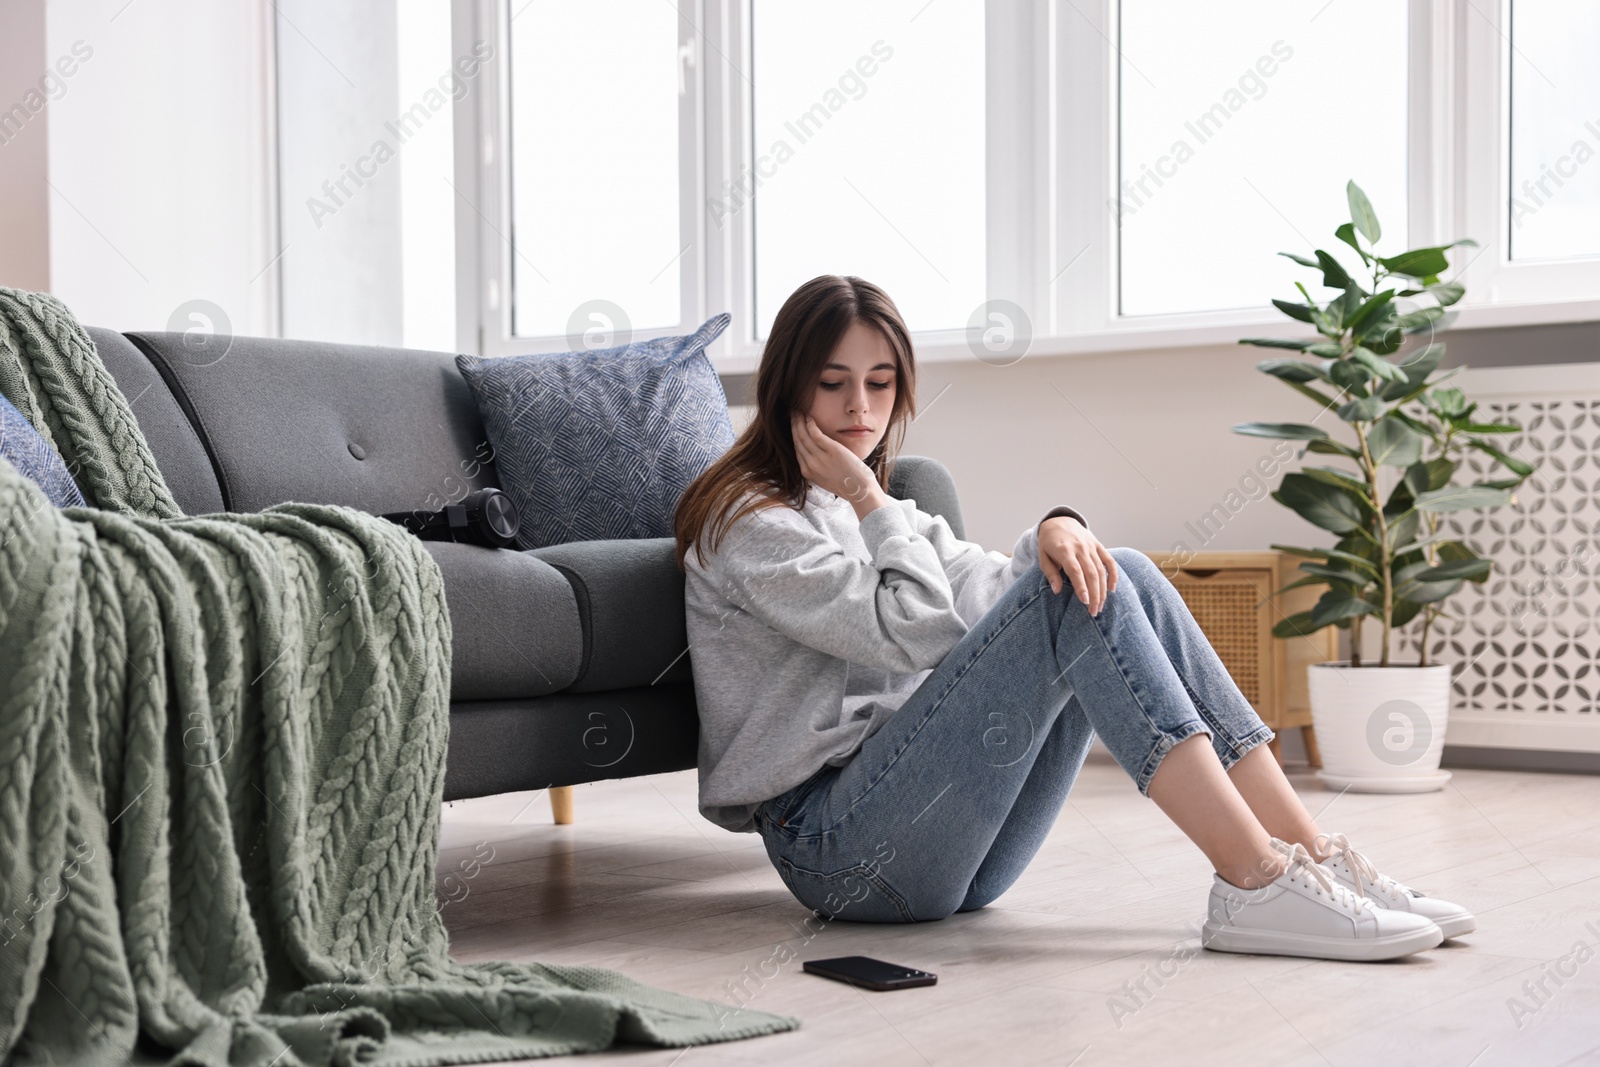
pixel 943 807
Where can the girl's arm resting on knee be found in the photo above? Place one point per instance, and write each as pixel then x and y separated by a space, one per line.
pixel 897 612
pixel 977 576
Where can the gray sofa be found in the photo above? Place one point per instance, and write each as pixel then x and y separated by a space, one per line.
pixel 570 662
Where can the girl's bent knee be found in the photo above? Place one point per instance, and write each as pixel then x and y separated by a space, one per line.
pixel 1133 561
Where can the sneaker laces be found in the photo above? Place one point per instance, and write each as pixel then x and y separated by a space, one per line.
pixel 1302 864
pixel 1362 869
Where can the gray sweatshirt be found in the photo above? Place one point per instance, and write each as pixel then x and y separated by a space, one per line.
pixel 808 629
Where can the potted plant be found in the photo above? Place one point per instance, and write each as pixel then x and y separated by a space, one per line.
pixel 1380 726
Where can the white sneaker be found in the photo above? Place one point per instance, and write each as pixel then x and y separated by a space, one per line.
pixel 1360 876
pixel 1306 912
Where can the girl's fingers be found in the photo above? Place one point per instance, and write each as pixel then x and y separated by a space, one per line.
pixel 1075 573
pixel 1052 571
pixel 1110 564
pixel 1097 580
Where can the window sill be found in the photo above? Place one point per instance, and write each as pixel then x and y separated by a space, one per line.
pixel 1158 333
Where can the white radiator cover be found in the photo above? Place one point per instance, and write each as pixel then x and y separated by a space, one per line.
pixel 1525 645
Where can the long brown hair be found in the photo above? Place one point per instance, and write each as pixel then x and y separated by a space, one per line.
pixel 805 333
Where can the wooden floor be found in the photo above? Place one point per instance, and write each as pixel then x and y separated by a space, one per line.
pixel 1091 958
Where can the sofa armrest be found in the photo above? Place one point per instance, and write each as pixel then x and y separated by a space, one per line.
pixel 630 602
pixel 513 620
pixel 928 482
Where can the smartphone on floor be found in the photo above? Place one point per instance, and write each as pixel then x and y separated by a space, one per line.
pixel 868 973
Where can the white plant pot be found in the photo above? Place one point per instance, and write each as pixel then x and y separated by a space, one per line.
pixel 1380 729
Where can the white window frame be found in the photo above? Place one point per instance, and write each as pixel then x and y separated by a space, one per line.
pixel 487 263
pixel 1051 129
pixel 1511 292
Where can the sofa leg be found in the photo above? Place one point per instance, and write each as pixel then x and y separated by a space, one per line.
pixel 561 804
pixel 1313 753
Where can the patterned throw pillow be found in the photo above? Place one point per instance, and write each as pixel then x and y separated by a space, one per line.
pixel 600 445
pixel 34 459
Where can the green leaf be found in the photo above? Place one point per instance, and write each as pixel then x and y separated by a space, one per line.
pixel 1295 373
pixel 1335 605
pixel 1347 234
pixel 1328 574
pixel 1439 470
pixel 1373 316
pixel 1334 275
pixel 1297 625
pixel 1475 569
pixel 1393 443
pixel 1360 563
pixel 1350 375
pixel 1409 584
pixel 1365 409
pixel 1416 367
pixel 1286 431
pixel 1372 311
pixel 1328 446
pixel 1343 309
pixel 1326 402
pixel 1517 466
pixel 1377 364
pixel 1451 403
pixel 1361 213
pixel 1492 427
pixel 1294 370
pixel 1403 611
pixel 1446 293
pixel 1335 476
pixel 1384 336
pixel 1423 542
pixel 1330 507
pixel 1454 551
pixel 1406 489
pixel 1276 342
pixel 1462 498
pixel 1419 319
pixel 1417 263
pixel 1293 550
pixel 1302 312
pixel 1422 429
pixel 1425 264
pixel 1402 528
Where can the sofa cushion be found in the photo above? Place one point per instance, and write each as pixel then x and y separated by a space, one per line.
pixel 929 483
pixel 504 746
pixel 630 601
pixel 379 429
pixel 516 630
pixel 27 450
pixel 180 454
pixel 601 444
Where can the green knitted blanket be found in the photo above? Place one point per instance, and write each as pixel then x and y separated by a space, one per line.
pixel 222 745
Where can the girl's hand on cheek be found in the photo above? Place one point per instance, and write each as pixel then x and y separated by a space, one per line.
pixel 830 465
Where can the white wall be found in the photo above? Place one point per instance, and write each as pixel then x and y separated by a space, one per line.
pixel 158 155
pixel 29 85
pixel 1137 441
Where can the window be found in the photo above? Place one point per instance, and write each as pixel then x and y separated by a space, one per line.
pixel 1238 135
pixel 427 206
pixel 867 153
pixel 595 169
pixel 1555 130
pixel 1096 174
